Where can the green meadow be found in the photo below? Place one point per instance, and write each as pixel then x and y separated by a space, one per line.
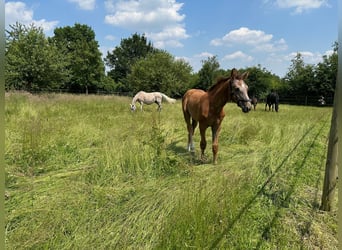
pixel 84 172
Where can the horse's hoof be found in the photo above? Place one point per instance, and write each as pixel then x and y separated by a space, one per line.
pixel 203 159
pixel 191 149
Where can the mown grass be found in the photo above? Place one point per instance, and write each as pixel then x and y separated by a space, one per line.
pixel 83 172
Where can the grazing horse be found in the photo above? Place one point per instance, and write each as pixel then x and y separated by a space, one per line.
pixel 254 102
pixel 149 98
pixel 272 100
pixel 206 108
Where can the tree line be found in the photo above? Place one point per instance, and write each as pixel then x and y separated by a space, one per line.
pixel 71 60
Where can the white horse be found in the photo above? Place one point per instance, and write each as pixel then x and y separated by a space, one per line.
pixel 149 98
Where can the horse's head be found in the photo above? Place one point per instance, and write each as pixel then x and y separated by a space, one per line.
pixel 133 107
pixel 239 90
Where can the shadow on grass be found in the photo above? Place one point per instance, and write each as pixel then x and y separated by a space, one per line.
pixel 266 235
pixel 182 152
pixel 260 191
pixel 179 150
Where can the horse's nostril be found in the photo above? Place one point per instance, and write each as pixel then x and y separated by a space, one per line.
pixel 245 109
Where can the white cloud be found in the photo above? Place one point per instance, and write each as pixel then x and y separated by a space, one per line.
pixel 279 45
pixel 160 20
pixel 168 37
pixel 204 55
pixel 238 55
pixel 166 43
pixel 308 56
pixel 85 4
pixel 110 38
pixel 155 14
pixel 183 58
pixel 243 36
pixel 329 52
pixel 19 12
pixel 15 11
pixel 257 39
pixel 301 5
pixel 105 49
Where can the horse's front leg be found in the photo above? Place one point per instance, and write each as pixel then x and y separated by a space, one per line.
pixel 215 134
pixel 141 106
pixel 203 143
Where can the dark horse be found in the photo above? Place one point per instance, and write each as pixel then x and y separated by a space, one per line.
pixel 272 100
pixel 254 101
pixel 206 108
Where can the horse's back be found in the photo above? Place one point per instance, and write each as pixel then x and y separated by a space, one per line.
pixel 148 97
pixel 272 98
pixel 192 101
pixel 275 98
pixel 140 94
pixel 192 97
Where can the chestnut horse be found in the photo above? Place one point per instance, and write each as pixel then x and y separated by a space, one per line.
pixel 206 108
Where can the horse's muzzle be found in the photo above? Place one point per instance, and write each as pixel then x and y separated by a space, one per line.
pixel 246 109
pixel 246 106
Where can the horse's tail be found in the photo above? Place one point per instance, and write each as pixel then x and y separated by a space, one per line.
pixel 168 99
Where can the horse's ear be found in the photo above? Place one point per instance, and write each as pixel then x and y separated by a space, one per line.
pixel 234 73
pixel 244 75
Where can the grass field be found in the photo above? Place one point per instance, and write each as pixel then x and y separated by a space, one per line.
pixel 83 172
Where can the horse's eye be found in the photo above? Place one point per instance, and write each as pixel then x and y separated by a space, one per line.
pixel 237 89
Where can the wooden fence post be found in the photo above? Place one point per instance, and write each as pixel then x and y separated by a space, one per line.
pixel 331 166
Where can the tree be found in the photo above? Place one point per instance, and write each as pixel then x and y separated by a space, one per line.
pixel 300 77
pixel 326 73
pixel 124 56
pixel 208 73
pixel 260 81
pixel 81 52
pixel 32 62
pixel 159 71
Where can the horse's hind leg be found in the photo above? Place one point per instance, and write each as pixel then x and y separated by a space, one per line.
pixel 191 130
pixel 193 126
pixel 190 127
pixel 203 143
pixel 159 106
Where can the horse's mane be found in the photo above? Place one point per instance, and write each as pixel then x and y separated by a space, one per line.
pixel 219 81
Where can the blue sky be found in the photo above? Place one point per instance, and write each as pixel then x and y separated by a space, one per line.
pixel 240 33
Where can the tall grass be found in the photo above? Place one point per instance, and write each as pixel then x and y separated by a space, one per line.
pixel 83 172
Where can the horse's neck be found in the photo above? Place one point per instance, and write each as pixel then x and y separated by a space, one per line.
pixel 135 98
pixel 220 95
